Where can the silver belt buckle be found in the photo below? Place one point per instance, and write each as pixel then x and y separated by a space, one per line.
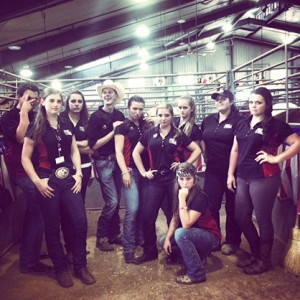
pixel 62 173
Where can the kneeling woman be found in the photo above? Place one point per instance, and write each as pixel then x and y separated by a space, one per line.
pixel 49 153
pixel 192 230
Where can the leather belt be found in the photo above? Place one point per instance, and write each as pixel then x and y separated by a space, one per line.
pixel 62 173
pixel 163 172
pixel 110 157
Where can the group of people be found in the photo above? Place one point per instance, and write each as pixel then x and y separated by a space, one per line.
pixel 151 167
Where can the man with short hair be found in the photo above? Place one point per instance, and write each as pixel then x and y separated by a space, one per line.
pixel 101 127
pixel 14 125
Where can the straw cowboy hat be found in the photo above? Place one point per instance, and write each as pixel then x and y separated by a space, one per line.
pixel 109 84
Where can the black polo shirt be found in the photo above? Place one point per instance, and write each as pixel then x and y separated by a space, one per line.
pixel 99 125
pixel 80 133
pixel 163 152
pixel 47 149
pixel 250 141
pixel 218 138
pixel 206 220
pixel 195 136
pixel 10 122
pixel 132 134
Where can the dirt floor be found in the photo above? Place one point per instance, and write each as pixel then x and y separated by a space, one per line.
pixel 153 280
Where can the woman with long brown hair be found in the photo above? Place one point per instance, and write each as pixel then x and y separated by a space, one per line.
pixel 51 139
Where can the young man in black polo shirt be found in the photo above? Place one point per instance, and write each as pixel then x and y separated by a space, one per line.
pixel 14 124
pixel 101 127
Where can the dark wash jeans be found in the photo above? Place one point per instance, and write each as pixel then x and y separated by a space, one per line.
pixel 74 212
pixel 215 186
pixel 155 192
pixel 109 176
pixel 33 225
pixel 195 244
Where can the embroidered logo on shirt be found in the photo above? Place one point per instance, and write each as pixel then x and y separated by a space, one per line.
pixel 259 131
pixel 172 141
pixel 81 128
pixel 67 132
pixel 227 126
pixel 155 135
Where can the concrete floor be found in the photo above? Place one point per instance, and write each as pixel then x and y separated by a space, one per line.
pixel 153 280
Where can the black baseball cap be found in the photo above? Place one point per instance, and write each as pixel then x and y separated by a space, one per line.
pixel 225 94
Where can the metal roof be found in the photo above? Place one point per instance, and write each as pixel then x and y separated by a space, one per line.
pixel 53 34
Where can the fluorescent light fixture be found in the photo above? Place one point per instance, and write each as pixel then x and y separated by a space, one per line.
pixel 56 84
pixel 210 45
pixel 227 27
pixel 14 47
pixel 68 67
pixel 142 31
pixel 26 72
pixel 144 66
pixel 181 21
pixel 144 54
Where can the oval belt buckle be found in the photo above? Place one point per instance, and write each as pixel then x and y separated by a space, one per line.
pixel 62 173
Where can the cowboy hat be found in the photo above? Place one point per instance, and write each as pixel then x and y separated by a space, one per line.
pixel 109 84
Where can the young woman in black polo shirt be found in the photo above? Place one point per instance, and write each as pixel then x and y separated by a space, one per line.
pixel 193 232
pixel 126 137
pixel 162 143
pixel 255 159
pixel 52 140
pixel 218 132
pixel 76 111
pixel 186 123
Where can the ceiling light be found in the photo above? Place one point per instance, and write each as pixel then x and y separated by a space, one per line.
pixel 56 84
pixel 144 66
pixel 181 21
pixel 227 27
pixel 210 45
pixel 142 31
pixel 68 67
pixel 144 54
pixel 26 72
pixel 14 47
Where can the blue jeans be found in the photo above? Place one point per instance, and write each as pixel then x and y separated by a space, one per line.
pixel 110 183
pixel 33 225
pixel 215 186
pixel 73 207
pixel 155 192
pixel 132 227
pixel 195 245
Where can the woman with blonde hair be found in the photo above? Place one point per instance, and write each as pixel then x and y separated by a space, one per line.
pixel 162 143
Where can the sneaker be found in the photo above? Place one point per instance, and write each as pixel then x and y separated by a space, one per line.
pixel 228 249
pixel 185 279
pixel 104 245
pixel 145 257
pixel 85 276
pixel 64 279
pixel 38 268
pixel 129 258
pixel 117 240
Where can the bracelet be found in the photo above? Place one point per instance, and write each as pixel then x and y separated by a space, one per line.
pixel 128 171
pixel 183 207
pixel 78 174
